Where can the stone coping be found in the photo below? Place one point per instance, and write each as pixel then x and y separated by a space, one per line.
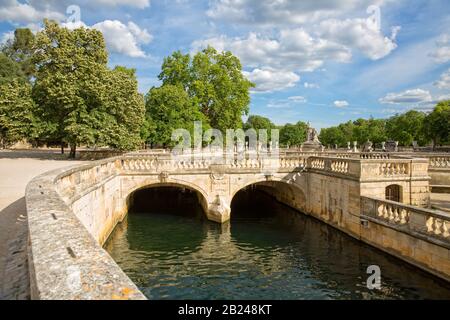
pixel 66 263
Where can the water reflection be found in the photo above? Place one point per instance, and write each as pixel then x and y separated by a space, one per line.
pixel 268 251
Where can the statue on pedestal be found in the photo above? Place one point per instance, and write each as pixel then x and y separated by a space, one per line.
pixel 312 143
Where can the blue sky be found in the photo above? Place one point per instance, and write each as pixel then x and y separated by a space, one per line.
pixel 325 62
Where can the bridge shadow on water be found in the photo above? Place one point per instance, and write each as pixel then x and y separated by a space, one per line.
pixel 266 251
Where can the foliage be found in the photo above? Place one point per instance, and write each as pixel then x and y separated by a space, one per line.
pixel 82 101
pixel 215 84
pixel 168 108
pixel 406 128
pixel 293 134
pixel 20 49
pixel 16 112
pixel 10 70
pixel 258 122
pixel 437 124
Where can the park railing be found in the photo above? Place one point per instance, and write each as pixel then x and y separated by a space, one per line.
pixel 429 223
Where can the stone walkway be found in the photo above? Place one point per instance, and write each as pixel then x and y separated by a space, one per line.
pixel 441 201
pixel 16 170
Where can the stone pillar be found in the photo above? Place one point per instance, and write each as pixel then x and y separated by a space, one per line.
pixel 355 146
pixel 219 210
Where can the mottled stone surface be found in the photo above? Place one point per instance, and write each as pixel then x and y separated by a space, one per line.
pixel 71 212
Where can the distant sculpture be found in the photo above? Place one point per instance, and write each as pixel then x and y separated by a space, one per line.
pixel 312 135
pixel 312 140
pixel 368 146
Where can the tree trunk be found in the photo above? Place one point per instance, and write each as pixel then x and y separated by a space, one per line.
pixel 62 147
pixel 73 151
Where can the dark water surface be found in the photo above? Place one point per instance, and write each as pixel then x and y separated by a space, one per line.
pixel 268 251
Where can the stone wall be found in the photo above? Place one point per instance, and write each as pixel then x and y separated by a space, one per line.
pixel 73 211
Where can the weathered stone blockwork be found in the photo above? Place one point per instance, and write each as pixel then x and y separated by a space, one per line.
pixel 73 211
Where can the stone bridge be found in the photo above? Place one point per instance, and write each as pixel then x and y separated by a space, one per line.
pixel 73 211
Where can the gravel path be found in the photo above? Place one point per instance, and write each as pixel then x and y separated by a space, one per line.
pixel 17 168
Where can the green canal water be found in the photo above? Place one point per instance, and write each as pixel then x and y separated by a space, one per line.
pixel 267 251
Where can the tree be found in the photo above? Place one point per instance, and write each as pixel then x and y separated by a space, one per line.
pixel 79 97
pixel 168 108
pixel 258 123
pixel 10 70
pixel 16 112
pixel 293 134
pixel 406 128
pixel 214 82
pixel 369 130
pixel 333 136
pixel 437 124
pixel 20 49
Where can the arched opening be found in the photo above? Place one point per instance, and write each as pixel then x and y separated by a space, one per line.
pixel 167 198
pixel 263 199
pixel 393 193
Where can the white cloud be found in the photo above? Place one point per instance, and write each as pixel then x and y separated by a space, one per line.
pixel 15 11
pixel 6 37
pixel 442 52
pixel 119 37
pixel 414 96
pixel 286 103
pixel 444 81
pixel 124 39
pixel 298 99
pixel 360 34
pixel 341 103
pixel 141 4
pixel 309 85
pixel 257 12
pixel 294 50
pixel 269 80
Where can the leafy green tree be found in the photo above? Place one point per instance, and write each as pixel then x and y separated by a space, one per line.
pixel 16 112
pixel 406 128
pixel 214 82
pixel 437 124
pixel 293 134
pixel 124 111
pixel 10 70
pixel 258 122
pixel 333 136
pixel 83 101
pixel 169 108
pixel 20 49
pixel 372 129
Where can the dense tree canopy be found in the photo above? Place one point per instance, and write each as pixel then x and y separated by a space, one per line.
pixel 214 83
pixel 437 124
pixel 21 49
pixel 258 123
pixel 293 134
pixel 16 112
pixel 407 127
pixel 168 108
pixel 83 101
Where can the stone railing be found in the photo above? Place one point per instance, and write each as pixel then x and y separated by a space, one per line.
pixel 432 224
pixel 65 260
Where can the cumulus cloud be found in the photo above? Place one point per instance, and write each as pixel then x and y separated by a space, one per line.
pixel 281 12
pixel 298 99
pixel 268 80
pixel 341 103
pixel 442 52
pixel 444 81
pixel 309 85
pixel 141 4
pixel 293 50
pixel 15 11
pixel 360 34
pixel 119 37
pixel 414 96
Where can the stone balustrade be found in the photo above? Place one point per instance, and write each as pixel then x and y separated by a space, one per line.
pixel 432 224
pixel 71 212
